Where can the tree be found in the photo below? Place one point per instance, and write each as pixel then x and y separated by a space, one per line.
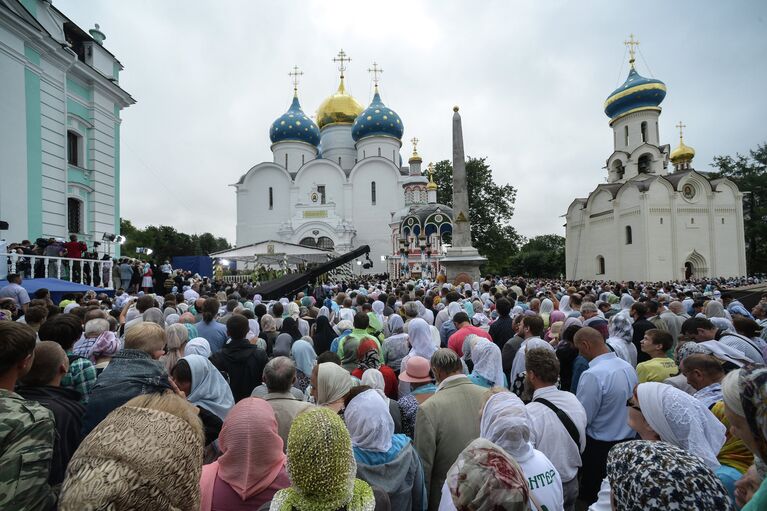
pixel 166 242
pixel 491 207
pixel 542 256
pixel 750 174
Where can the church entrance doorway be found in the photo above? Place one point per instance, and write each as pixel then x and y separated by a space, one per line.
pixel 695 266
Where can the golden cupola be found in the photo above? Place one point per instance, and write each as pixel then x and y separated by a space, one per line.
pixel 341 107
pixel 682 156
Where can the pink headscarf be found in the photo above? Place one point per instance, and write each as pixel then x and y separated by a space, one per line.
pixel 556 316
pixel 252 452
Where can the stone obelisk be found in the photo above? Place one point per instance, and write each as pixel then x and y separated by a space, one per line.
pixel 462 260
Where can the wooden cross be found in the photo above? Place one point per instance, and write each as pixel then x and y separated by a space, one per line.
pixel 295 75
pixel 341 58
pixel 631 44
pixel 375 71
pixel 681 127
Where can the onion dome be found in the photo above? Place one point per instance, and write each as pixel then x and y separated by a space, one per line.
pixel 340 108
pixel 377 120
pixel 683 154
pixel 636 93
pixel 294 126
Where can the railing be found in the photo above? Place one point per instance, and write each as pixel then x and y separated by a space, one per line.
pixel 237 279
pixel 91 272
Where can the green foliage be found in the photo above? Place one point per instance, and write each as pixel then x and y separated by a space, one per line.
pixel 491 207
pixel 166 242
pixel 542 256
pixel 750 174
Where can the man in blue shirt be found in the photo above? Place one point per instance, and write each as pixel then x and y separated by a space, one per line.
pixel 603 390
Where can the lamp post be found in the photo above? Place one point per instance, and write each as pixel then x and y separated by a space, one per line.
pixel 403 256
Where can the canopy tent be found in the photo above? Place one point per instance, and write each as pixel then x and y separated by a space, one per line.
pixel 275 253
pixel 58 288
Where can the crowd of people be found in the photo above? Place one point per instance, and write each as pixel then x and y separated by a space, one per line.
pixel 378 394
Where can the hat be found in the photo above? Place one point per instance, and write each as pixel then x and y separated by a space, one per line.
pixel 417 370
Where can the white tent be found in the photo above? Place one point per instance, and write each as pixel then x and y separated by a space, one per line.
pixel 273 253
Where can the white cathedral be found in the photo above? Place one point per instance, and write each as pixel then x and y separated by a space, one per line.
pixel 339 183
pixel 647 223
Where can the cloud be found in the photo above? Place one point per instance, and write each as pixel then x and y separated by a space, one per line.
pixel 530 77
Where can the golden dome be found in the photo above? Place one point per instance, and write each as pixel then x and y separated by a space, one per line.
pixel 683 153
pixel 339 108
pixel 431 186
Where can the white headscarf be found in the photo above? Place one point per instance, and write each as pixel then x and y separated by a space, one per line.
pixel 333 383
pixel 197 346
pixel 564 304
pixel 369 423
pixel 453 309
pixel 294 311
pixel 378 308
pixel 505 423
pixel 420 339
pixel 253 329
pixel 171 319
pixel 374 379
pixel 346 314
pixel 547 306
pixel 487 362
pixel 682 420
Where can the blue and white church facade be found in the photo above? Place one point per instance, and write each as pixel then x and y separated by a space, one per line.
pixel 60 103
pixel 337 183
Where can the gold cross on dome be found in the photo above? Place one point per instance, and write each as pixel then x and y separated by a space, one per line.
pixel 632 44
pixel 375 71
pixel 295 76
pixel 341 58
pixel 681 127
pixel 415 144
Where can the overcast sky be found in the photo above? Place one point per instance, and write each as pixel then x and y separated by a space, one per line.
pixel 530 78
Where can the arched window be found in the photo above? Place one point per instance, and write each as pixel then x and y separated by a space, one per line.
pixel 373 193
pixel 308 242
pixel 626 135
pixel 629 239
pixel 303 159
pixel 74 144
pixel 325 243
pixel 286 160
pixel 661 220
pixel 618 168
pixel 379 151
pixel 644 164
pixel 644 131
pixel 74 215
pixel 600 265
pixel 339 161
pixel 271 198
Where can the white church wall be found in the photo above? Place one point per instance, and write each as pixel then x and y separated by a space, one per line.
pixel 53 128
pixel 322 172
pixel 13 139
pixel 385 147
pixel 338 146
pixel 292 155
pixel 256 220
pixel 371 220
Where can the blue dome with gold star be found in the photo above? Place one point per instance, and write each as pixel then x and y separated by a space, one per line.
pixel 637 92
pixel 294 126
pixel 377 120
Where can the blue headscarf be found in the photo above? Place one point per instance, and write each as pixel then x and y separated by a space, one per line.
pixel 209 388
pixel 304 355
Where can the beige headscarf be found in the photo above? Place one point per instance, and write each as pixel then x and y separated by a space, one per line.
pixel 139 459
pixel 333 383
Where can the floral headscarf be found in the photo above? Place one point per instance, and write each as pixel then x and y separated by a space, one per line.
pixel 368 355
pixel 656 476
pixel 752 382
pixel 319 438
pixel 486 478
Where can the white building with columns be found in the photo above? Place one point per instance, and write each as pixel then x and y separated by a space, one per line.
pixel 650 222
pixel 60 103
pixel 336 184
